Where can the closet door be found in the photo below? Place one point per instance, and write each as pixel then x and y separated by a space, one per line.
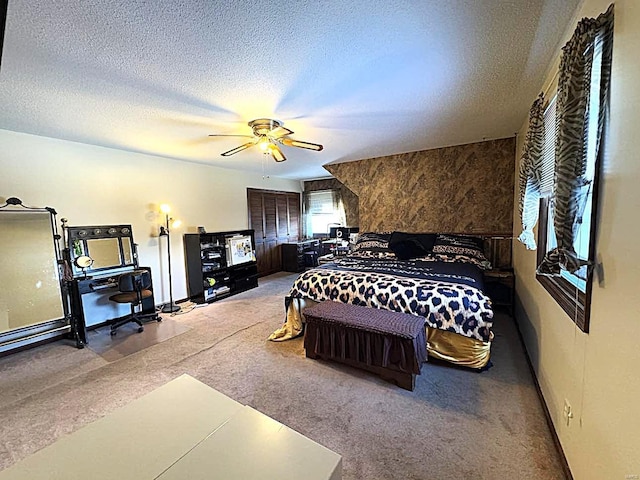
pixel 293 213
pixel 275 218
pixel 256 222
pixel 282 219
pixel 273 261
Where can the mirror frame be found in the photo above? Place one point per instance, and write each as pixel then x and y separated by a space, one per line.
pixel 78 238
pixel 20 337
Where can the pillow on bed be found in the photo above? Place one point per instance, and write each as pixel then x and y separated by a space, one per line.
pixel 450 244
pixel 373 242
pixel 445 257
pixel 411 245
pixel 388 254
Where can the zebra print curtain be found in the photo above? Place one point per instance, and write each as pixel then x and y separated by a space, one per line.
pixel 530 173
pixel 572 112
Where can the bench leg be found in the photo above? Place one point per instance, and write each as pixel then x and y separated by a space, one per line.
pixel 403 380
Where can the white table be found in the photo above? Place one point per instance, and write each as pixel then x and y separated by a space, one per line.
pixel 181 430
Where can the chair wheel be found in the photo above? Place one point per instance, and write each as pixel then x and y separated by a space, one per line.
pixel 140 329
pixel 113 333
pixel 159 319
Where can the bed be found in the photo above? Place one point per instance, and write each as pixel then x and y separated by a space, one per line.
pixel 434 276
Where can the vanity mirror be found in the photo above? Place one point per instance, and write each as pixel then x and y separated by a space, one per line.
pixel 99 248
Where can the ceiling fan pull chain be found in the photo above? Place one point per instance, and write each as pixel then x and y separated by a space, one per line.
pixel 264 176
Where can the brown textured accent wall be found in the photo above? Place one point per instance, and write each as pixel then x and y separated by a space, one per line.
pixel 349 199
pixel 461 189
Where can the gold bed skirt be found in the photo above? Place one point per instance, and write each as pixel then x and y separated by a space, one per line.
pixel 456 349
pixel 442 345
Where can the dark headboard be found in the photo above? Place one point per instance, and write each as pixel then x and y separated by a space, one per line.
pixel 497 247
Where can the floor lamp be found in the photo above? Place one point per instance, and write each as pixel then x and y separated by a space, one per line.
pixel 165 232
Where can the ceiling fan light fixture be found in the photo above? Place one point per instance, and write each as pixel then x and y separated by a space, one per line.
pixel 264 126
pixel 266 132
pixel 264 144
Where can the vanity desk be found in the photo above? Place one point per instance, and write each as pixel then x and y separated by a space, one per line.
pixel 97 256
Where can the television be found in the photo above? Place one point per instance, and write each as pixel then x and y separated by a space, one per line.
pixel 239 249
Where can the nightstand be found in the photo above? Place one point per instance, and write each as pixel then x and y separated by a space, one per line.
pixel 500 285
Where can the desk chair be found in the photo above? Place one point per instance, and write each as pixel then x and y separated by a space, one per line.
pixel 134 287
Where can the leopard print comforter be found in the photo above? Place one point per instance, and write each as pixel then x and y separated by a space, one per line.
pixel 449 296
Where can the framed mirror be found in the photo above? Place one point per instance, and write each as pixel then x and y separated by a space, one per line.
pixel 31 297
pixel 99 248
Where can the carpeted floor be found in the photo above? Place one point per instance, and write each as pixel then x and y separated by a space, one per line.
pixel 457 424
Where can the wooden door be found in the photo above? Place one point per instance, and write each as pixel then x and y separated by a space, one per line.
pixel 293 211
pixel 282 217
pixel 256 222
pixel 273 256
pixel 270 216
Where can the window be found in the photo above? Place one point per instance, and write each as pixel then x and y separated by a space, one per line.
pixel 583 236
pixel 323 208
pixel 572 291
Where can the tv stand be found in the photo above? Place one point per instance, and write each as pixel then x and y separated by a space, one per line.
pixel 220 264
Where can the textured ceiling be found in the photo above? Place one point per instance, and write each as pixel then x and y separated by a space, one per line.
pixel 365 78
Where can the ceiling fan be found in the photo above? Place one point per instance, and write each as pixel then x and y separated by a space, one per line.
pixel 267 133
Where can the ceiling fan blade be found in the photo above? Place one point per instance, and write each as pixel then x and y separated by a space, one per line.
pixel 289 142
pixel 279 132
pixel 223 135
pixel 238 149
pixel 276 153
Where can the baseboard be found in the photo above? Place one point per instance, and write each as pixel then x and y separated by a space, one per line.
pixel 547 414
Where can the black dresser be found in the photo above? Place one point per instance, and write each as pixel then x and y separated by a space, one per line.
pixel 300 255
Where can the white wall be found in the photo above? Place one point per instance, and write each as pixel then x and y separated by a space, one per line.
pixel 91 185
pixel 598 373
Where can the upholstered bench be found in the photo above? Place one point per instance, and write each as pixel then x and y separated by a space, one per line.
pixel 387 343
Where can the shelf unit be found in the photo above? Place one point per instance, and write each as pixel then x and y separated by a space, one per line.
pixel 210 272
